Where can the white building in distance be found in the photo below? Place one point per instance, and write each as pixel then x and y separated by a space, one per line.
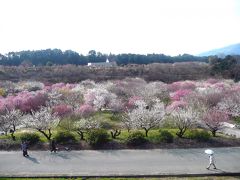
pixel 103 64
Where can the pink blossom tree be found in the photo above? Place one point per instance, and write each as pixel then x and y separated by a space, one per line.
pixel 175 105
pixel 178 95
pixel 214 119
pixel 85 110
pixel 182 85
pixel 85 122
pixel 7 104
pixel 62 110
pixel 29 101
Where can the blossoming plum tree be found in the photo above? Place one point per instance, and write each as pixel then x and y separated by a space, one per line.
pixel 4 124
pixel 62 110
pixel 184 118
pixel 147 117
pixel 84 125
pixel 14 119
pixel 231 104
pixel 214 119
pixel 85 110
pixel 43 121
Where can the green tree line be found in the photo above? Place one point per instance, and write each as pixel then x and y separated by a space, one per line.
pixel 58 57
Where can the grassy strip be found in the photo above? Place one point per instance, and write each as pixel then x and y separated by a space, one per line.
pixel 152 135
pixel 160 178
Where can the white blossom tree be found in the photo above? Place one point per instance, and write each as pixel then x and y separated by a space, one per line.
pixel 43 121
pixel 184 118
pixel 146 117
pixel 5 126
pixel 99 97
pixel 127 121
pixel 12 119
pixel 153 90
pixel 83 125
pixel 54 98
pixel 73 98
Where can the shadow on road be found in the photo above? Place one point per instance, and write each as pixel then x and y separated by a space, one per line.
pixel 33 159
pixel 64 156
pixel 218 170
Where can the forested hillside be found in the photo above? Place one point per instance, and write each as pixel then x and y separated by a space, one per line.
pixel 57 57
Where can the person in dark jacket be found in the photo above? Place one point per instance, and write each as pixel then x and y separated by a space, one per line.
pixel 53 146
pixel 24 147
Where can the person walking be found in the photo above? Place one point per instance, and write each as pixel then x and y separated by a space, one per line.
pixel 53 146
pixel 211 162
pixel 24 147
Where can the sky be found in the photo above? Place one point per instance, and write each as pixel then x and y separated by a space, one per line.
pixel 171 27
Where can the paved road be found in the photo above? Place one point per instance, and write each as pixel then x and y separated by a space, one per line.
pixel 118 162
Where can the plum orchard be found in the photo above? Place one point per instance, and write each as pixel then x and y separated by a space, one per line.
pixel 136 103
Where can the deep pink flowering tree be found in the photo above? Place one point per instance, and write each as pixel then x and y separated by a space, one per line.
pixel 176 96
pixel 85 110
pixel 62 110
pixel 28 101
pixel 175 105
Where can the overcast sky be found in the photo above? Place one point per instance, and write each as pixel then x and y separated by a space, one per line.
pixel 119 26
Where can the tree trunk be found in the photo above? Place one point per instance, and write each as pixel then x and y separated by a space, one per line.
pixel 13 137
pixel 146 132
pixel 214 133
pixel 48 136
pixel 180 133
pixel 81 134
pixel 115 133
pixel 12 131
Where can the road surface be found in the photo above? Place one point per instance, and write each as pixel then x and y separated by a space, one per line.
pixel 118 162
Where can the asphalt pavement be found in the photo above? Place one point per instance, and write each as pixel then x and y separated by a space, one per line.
pixel 156 162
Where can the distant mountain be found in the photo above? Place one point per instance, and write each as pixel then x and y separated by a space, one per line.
pixel 221 52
